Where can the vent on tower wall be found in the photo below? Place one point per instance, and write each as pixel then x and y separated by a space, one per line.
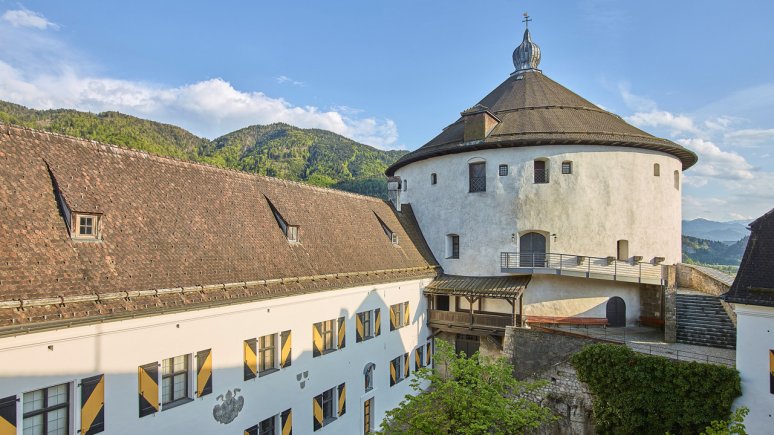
pixel 479 122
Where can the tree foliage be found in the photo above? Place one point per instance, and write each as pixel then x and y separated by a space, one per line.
pixel 476 395
pixel 732 426
pixel 315 156
pixel 644 394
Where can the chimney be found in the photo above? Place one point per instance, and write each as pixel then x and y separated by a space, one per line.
pixel 479 122
pixel 393 191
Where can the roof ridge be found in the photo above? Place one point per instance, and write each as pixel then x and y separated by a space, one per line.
pixel 11 129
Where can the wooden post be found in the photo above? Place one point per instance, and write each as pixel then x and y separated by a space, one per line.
pixel 522 320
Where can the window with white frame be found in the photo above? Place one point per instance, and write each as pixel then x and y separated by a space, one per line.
pixel 268 426
pixel 399 314
pixel 452 246
pixel 47 411
pixel 329 404
pixel 328 334
pixel 396 369
pixel 366 319
pixel 175 379
pixel 85 226
pixel 267 354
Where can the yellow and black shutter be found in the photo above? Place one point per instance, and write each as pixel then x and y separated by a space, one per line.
pixel 317 341
pixel 342 333
pixel 377 322
pixel 93 405
pixel 393 373
pixel 252 430
pixel 285 354
pixel 406 314
pixel 359 328
pixel 393 319
pixel 317 412
pixel 418 358
pixel 8 415
pixel 203 372
pixel 148 388
pixel 771 371
pixel 429 352
pixel 251 360
pixel 406 366
pixel 286 422
pixel 342 399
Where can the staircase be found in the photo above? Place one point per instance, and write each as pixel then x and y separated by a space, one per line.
pixel 701 320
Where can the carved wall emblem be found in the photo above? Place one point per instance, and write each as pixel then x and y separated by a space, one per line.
pixel 227 411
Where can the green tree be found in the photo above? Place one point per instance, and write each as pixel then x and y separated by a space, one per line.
pixel 461 395
pixel 733 426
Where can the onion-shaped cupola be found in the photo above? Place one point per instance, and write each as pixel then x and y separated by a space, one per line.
pixel 526 57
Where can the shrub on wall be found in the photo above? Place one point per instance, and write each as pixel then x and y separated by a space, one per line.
pixel 644 394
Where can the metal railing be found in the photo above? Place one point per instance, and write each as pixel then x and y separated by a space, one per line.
pixel 462 318
pixel 579 265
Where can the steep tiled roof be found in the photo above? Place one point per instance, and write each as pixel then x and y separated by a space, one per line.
pixel 174 225
pixel 754 283
pixel 535 110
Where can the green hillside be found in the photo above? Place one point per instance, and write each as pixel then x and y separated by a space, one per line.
pixel 314 156
pixel 702 251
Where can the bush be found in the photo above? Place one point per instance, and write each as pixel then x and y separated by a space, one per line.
pixel 644 394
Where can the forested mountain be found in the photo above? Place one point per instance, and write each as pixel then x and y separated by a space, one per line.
pixel 711 230
pixel 314 156
pixel 704 251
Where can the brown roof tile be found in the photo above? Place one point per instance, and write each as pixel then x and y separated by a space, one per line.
pixel 754 283
pixel 169 223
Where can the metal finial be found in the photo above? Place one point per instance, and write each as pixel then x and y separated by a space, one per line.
pixel 526 20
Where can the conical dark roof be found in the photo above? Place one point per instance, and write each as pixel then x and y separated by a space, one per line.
pixel 535 110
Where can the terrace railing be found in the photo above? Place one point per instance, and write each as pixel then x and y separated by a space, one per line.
pixel 608 268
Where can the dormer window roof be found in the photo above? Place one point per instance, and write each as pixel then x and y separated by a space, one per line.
pixel 290 231
pixel 393 236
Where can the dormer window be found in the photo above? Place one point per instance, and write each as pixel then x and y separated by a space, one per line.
pixel 393 236
pixel 290 231
pixel 85 226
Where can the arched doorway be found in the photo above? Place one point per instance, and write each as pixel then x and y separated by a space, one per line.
pixel 616 312
pixel 532 247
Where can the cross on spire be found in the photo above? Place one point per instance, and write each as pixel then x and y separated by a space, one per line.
pixel 526 20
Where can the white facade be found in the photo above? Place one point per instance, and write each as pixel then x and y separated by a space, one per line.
pixel 116 349
pixel 754 345
pixel 612 194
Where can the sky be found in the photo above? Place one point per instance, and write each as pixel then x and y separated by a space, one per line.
pixel 393 74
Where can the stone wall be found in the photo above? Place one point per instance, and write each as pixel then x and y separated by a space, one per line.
pixel 539 354
pixel 651 301
pixel 705 280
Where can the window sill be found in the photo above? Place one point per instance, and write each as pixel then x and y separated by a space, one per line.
pixel 176 403
pixel 328 420
pixel 327 351
pixel 452 258
pixel 267 372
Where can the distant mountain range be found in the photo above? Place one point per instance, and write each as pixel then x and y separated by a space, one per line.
pixel 314 156
pixel 720 231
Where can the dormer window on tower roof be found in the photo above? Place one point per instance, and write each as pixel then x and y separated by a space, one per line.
pixel 290 231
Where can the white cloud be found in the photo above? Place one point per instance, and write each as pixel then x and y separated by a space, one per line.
pixel 635 102
pixel 43 73
pixel 27 18
pixel 286 79
pixel 716 163
pixel 663 119
pixel 750 137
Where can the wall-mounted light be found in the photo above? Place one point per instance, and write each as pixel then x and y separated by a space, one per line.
pixel 513 237
pixel 554 236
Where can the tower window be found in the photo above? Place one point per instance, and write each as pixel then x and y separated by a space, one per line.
pixel 405 185
pixel 452 246
pixel 623 250
pixel 503 170
pixel 477 177
pixel 567 167
pixel 677 180
pixel 656 170
pixel 433 178
pixel 541 172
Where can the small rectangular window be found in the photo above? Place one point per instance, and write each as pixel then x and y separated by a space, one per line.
pixel 366 321
pixel 433 179
pixel 566 167
pixel 452 246
pixel 47 410
pixel 267 352
pixel 399 315
pixel 477 177
pixel 541 172
pixel 174 379
pixel 503 170
pixel 405 185
pixel 86 226
pixel 327 329
pixel 329 404
pixel 397 365
pixel 292 233
pixel 656 170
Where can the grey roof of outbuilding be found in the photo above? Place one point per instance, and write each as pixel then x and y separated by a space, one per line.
pixel 754 283
pixel 535 110
pixel 489 286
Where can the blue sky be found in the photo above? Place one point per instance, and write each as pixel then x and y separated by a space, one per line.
pixel 393 74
